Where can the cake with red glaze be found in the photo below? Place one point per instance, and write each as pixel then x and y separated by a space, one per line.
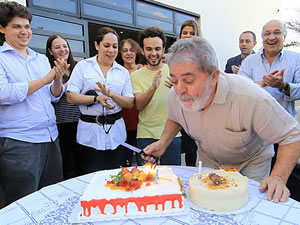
pixel 134 192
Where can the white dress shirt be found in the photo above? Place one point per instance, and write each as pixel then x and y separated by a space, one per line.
pixel 84 77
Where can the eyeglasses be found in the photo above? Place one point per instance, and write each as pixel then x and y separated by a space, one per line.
pixel 275 33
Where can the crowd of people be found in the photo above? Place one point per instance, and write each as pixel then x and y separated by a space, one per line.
pixel 61 118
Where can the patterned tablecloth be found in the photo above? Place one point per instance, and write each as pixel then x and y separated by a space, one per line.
pixel 55 203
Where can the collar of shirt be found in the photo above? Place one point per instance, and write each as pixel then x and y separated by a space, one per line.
pixel 115 65
pixel 6 47
pixel 222 90
pixel 281 54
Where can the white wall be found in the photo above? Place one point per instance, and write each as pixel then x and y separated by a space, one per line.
pixel 223 21
pixel 23 2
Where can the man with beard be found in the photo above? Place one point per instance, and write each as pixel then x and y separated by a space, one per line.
pixel 151 96
pixel 247 42
pixel 233 120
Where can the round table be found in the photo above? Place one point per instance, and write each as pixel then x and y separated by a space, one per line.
pixel 54 204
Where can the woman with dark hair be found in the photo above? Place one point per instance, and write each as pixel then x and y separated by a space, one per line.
pixel 102 88
pixel 130 53
pixel 189 28
pixel 67 115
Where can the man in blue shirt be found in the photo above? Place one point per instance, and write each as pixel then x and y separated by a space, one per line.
pixel 275 69
pixel 247 42
pixel 29 151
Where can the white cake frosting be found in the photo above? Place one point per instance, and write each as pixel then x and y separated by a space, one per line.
pixel 166 184
pixel 231 195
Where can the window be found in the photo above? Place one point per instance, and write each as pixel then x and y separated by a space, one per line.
pixel 68 6
pixel 57 26
pixel 145 22
pixel 45 24
pixel 151 15
pixel 122 4
pixel 98 12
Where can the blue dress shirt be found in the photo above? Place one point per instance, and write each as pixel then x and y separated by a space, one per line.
pixel 25 118
pixel 255 66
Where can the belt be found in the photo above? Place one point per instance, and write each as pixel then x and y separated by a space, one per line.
pixel 100 119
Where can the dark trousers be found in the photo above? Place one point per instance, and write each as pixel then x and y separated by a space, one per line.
pixel 293 183
pixel 69 149
pixel 94 160
pixel 189 147
pixel 26 167
pixel 128 154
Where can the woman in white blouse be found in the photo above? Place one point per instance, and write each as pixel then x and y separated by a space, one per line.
pixel 101 87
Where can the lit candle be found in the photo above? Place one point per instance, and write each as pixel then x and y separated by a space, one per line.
pixel 156 176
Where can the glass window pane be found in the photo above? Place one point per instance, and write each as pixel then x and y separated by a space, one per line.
pixel 180 18
pixel 178 29
pixel 76 46
pixel 56 26
pixel 125 4
pixel 96 11
pixel 146 22
pixel 158 12
pixel 39 41
pixel 64 5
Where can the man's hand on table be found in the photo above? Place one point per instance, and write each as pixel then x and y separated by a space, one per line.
pixel 276 188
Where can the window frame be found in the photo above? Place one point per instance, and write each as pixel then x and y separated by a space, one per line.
pixel 83 38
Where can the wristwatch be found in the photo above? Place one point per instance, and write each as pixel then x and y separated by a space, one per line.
pixel 286 87
pixel 95 99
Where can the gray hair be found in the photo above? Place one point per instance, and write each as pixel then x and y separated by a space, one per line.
pixel 196 50
pixel 283 26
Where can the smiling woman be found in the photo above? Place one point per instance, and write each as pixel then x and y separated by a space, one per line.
pixel 101 128
pixel 67 115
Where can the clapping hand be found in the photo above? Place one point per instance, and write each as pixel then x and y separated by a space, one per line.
pixel 60 68
pixel 168 82
pixel 107 95
pixel 156 79
pixel 235 69
pixel 274 79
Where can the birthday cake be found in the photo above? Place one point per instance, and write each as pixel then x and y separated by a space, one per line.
pixel 220 190
pixel 135 192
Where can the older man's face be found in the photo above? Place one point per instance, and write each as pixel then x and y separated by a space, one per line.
pixel 273 38
pixel 194 89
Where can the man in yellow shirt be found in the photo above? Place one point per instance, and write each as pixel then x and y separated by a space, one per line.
pixel 151 96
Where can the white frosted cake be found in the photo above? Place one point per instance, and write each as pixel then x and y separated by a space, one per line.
pixel 115 193
pixel 220 190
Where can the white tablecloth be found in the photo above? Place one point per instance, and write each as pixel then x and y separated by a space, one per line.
pixel 54 204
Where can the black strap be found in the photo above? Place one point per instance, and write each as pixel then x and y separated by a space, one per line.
pixel 101 120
